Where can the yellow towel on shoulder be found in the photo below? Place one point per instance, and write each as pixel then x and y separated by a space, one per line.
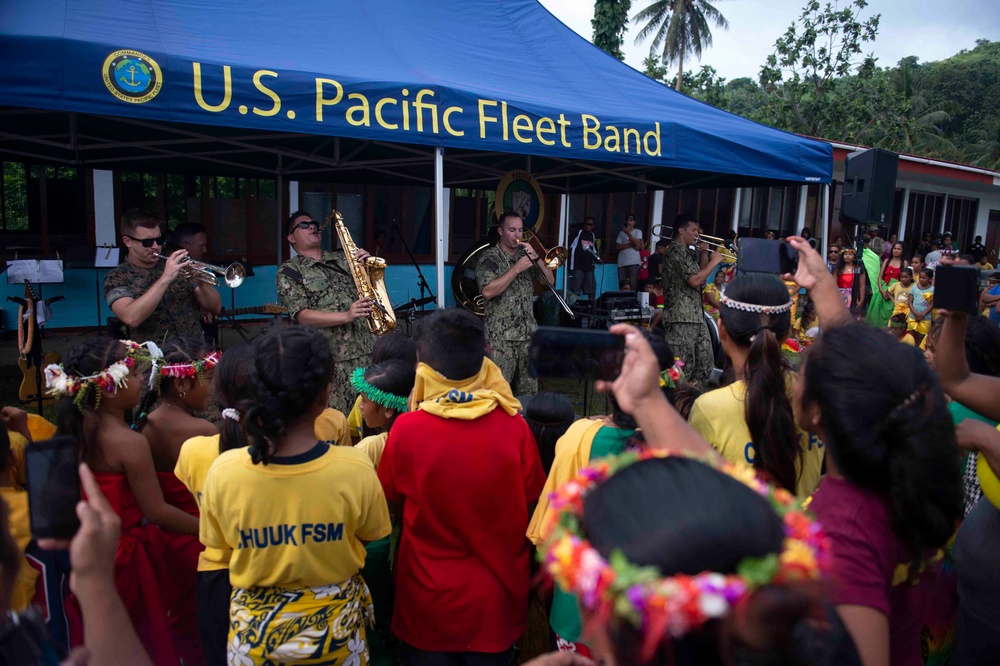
pixel 465 399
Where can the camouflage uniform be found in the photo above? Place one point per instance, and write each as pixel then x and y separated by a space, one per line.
pixel 328 286
pixel 177 314
pixel 509 319
pixel 683 316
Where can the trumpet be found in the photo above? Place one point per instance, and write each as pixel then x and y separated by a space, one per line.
pixel 729 254
pixel 234 274
pixel 553 259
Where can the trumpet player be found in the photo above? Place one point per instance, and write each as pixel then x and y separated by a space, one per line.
pixel 317 288
pixel 505 274
pixel 155 299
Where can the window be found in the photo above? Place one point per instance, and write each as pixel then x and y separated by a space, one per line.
pixel 470 221
pixel 924 214
pixel 14 195
pixel 43 209
pixel 960 220
pixel 774 209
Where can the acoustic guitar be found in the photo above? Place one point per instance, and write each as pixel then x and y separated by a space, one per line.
pixel 28 338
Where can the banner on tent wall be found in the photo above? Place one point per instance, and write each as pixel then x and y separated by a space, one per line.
pixel 519 191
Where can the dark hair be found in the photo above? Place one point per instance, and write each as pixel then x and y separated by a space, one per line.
pixel 82 360
pixel 929 272
pixel 967 258
pixel 393 376
pixel 806 230
pixel 506 215
pixel 179 350
pixel 767 410
pixel 899 318
pixel 890 433
pixel 681 516
pixel 662 243
pixel 549 415
pixel 684 396
pixel 833 247
pixel 982 346
pixel 682 221
pixel 590 218
pixel 395 346
pixel 453 342
pixel 293 216
pixel 838 270
pixel 906 269
pixel 293 367
pixel 235 381
pixel 135 218
pixel 186 231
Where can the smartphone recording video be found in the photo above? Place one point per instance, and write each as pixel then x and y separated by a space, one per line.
pixel 574 353
pixel 759 255
pixel 53 478
pixel 956 288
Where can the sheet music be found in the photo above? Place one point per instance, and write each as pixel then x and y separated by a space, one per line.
pixel 50 271
pixel 106 257
pixel 19 270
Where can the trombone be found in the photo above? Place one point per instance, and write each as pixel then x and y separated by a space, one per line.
pixel 729 254
pixel 553 259
pixel 234 274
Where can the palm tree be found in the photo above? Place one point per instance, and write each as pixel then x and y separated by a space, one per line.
pixel 679 27
pixel 986 151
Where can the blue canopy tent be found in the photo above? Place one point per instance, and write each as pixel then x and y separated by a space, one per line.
pixel 384 88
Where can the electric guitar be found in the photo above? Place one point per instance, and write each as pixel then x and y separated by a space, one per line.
pixel 268 309
pixel 28 332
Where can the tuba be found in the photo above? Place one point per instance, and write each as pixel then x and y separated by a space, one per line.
pixel 369 278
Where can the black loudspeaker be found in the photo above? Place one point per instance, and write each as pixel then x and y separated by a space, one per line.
pixel 869 187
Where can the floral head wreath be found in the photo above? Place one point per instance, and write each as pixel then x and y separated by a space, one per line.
pixel 61 384
pixel 753 307
pixel 176 370
pixel 377 395
pixel 678 604
pixel 673 375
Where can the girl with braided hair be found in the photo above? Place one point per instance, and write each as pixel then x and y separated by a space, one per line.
pixel 750 422
pixel 296 513
pixel 98 383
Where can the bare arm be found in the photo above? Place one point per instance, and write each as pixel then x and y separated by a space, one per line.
pixel 322 319
pixel 870 631
pixel 813 276
pixel 137 459
pixel 977 392
pixel 208 298
pixel 862 278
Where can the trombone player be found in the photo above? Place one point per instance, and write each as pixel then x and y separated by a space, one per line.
pixel 506 284
pixel 155 299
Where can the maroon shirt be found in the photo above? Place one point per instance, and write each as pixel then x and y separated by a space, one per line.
pixel 866 554
pixel 463 570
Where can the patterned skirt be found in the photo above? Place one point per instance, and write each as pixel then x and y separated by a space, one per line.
pixel 309 625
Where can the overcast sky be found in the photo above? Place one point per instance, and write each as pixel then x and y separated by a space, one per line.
pixel 928 30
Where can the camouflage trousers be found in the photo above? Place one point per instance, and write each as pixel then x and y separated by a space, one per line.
pixel 692 343
pixel 342 393
pixel 512 358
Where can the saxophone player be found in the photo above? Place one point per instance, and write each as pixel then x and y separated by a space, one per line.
pixel 318 289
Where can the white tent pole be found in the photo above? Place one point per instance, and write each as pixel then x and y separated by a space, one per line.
pixel 279 190
pixel 826 220
pixel 439 248
pixel 564 237
pixel 737 201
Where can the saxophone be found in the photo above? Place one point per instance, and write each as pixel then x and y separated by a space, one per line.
pixel 369 278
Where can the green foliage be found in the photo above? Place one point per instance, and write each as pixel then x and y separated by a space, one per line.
pixel 610 23
pixel 679 27
pixel 819 82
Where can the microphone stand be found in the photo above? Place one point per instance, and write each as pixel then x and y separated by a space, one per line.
pixel 409 253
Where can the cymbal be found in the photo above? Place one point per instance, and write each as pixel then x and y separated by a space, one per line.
pixel 413 303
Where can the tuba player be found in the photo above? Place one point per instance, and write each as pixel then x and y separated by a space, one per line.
pixel 318 289
pixel 506 284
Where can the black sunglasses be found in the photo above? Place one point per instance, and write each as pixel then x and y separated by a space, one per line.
pixel 148 242
pixel 304 224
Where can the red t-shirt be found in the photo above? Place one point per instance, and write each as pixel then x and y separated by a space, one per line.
pixel 866 554
pixel 463 570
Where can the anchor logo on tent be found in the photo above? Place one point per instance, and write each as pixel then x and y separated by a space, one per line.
pixel 132 76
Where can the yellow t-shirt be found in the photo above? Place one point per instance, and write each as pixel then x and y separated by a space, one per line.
pixel 908 340
pixel 19 526
pixel 373 447
pixel 193 462
pixel 14 478
pixel 985 266
pixel 356 422
pixel 719 417
pixel 900 298
pixel 297 522
pixel 331 426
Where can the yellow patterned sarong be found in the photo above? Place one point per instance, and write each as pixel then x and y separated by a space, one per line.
pixel 309 625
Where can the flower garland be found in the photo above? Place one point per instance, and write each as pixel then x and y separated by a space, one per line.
pixel 377 395
pixel 180 370
pixel 673 375
pixel 677 604
pixel 60 384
